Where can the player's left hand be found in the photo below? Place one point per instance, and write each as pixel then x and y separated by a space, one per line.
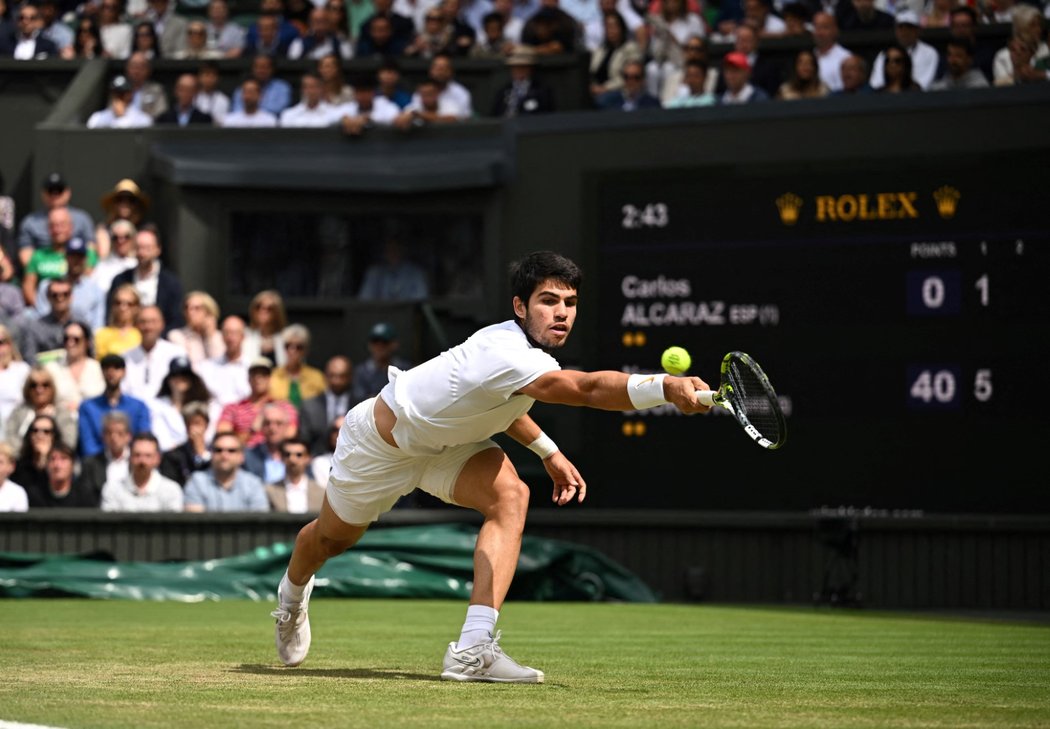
pixel 567 480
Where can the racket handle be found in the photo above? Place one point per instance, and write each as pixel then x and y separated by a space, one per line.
pixel 706 397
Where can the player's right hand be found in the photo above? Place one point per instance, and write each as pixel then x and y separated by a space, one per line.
pixel 681 392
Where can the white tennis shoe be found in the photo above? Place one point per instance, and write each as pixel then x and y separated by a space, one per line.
pixel 486 662
pixel 292 632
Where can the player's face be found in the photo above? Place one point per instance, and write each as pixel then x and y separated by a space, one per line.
pixel 549 315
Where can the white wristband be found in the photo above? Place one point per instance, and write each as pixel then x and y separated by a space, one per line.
pixel 543 446
pixel 646 391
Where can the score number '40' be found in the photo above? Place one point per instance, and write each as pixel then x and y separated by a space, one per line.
pixel 940 387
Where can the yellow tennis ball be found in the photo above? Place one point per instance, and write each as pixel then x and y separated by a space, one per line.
pixel 675 360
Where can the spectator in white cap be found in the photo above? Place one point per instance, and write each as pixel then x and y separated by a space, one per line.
pixel 120 114
pixel 924 57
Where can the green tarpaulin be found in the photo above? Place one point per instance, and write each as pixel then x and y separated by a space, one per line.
pixel 420 562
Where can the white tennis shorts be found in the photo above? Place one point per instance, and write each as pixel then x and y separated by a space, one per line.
pixel 369 475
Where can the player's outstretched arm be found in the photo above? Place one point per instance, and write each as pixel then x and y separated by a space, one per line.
pixel 609 390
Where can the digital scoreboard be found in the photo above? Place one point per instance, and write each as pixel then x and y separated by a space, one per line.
pixel 901 313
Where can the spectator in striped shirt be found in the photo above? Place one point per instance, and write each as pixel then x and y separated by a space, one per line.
pixel 245 418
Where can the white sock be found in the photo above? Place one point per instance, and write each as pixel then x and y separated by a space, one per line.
pixel 290 592
pixel 479 626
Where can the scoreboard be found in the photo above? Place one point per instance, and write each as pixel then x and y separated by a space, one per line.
pixel 901 313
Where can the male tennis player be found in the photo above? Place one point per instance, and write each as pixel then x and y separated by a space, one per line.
pixel 430 427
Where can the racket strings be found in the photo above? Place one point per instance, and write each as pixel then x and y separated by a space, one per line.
pixel 756 402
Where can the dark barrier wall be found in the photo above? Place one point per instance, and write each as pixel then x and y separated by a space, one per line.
pixel 872 561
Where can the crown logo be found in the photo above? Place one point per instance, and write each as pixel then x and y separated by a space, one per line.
pixel 946 198
pixel 789 205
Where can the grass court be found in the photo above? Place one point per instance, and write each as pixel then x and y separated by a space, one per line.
pixel 374 663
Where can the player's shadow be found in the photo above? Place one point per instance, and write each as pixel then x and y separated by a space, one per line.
pixel 351 673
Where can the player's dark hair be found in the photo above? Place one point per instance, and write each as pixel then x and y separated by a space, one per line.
pixel 532 270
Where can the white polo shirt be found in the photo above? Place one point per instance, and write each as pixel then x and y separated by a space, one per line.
pixel 465 394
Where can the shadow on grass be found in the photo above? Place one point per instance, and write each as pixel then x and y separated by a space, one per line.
pixel 351 673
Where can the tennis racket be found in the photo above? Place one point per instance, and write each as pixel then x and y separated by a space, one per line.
pixel 744 391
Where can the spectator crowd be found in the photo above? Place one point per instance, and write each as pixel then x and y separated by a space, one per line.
pixel 121 391
pixel 643 54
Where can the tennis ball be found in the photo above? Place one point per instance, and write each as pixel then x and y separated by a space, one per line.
pixel 675 360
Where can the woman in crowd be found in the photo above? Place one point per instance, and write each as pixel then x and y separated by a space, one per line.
pixel 31 468
pixel 607 60
pixel 295 380
pixel 336 91
pixel 13 373
pixel 77 374
pixel 120 334
pixel 897 72
pixel 39 397
pixel 340 21
pixel 266 321
pixel 87 41
pixel 146 40
pixel 200 337
pixel 804 80
pixel 180 387
pixel 116 35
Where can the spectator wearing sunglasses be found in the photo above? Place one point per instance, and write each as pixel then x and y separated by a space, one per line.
pixel 297 492
pixel 39 399
pixel 27 43
pixel 44 336
pixel 226 486
pixel 632 95
pixel 296 381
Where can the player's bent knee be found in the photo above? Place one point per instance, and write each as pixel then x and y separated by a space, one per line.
pixel 513 501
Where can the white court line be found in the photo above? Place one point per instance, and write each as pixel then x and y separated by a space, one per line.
pixel 16 725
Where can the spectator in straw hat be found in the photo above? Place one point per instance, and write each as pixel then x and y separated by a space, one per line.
pixel 126 201
pixel 522 95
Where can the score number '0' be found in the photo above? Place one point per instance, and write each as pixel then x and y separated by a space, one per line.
pixel 930 387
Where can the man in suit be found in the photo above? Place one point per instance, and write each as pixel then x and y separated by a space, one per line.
pixel 523 95
pixel 171 28
pixel 111 463
pixel 27 44
pixel 157 286
pixel 633 95
pixel 296 493
pixel 317 413
pixel 185 111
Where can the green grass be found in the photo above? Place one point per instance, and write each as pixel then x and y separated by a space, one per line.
pixel 374 663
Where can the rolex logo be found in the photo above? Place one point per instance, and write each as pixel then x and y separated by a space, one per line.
pixel 947 198
pixel 789 204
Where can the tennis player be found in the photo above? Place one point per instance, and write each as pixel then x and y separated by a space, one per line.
pixel 430 427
